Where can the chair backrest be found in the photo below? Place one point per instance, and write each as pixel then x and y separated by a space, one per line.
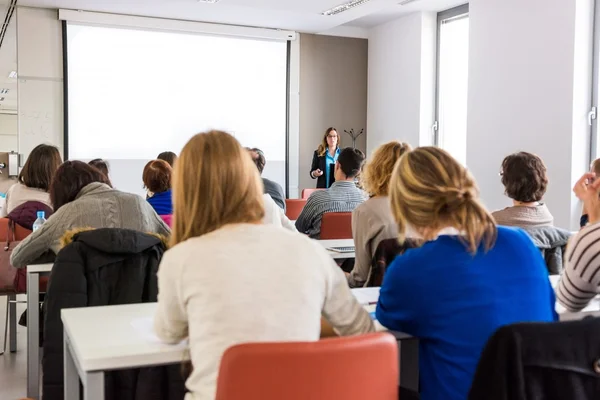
pixel 324 369
pixel 20 232
pixel 387 250
pixel 307 192
pixel 336 226
pixel 293 208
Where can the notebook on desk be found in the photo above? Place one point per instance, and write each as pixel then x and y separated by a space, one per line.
pixel 342 249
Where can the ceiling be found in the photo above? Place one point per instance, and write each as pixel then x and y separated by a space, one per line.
pixel 297 15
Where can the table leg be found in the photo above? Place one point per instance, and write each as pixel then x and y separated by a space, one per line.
pixel 12 320
pixel 94 386
pixel 33 336
pixel 71 377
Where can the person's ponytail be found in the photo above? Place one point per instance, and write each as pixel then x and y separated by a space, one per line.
pixel 431 190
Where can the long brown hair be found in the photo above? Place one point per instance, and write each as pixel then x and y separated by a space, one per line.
pixel 430 189
pixel 375 178
pixel 70 178
pixel 215 183
pixel 323 146
pixel 40 167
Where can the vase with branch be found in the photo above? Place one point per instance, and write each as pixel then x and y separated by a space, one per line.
pixel 354 135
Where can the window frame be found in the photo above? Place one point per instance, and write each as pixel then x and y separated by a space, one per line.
pixel 593 113
pixel 451 14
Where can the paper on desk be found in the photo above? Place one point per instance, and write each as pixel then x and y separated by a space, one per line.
pixel 145 327
pixel 366 296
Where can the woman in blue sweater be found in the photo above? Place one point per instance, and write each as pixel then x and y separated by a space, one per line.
pixel 157 179
pixel 467 280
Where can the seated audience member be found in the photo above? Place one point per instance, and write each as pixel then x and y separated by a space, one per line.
pixel 372 221
pixel 157 180
pixel 525 182
pixel 468 279
pixel 169 157
pixel 595 168
pixel 273 189
pixel 82 198
pixel 102 166
pixel 342 196
pixel 219 238
pixel 275 215
pixel 581 279
pixel 35 178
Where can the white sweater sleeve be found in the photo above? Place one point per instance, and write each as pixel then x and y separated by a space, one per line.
pixel 170 321
pixel 341 308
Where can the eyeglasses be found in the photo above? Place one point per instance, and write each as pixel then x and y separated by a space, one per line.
pixel 332 136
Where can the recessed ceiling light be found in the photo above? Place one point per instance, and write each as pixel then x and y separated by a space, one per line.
pixel 1 98
pixel 3 91
pixel 344 7
pixel 13 75
pixel 208 1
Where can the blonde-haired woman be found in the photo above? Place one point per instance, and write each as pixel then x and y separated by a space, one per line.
pixel 372 221
pixel 468 279
pixel 229 278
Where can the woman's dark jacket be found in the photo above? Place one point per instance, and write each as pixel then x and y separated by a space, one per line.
pixel 319 162
pixel 97 268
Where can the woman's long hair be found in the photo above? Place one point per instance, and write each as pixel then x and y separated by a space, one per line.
pixel 322 149
pixel 215 183
pixel 430 189
pixel 376 175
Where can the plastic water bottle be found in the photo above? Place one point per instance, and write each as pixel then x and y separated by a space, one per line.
pixel 41 220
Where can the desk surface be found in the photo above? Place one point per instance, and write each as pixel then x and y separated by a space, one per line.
pixel 103 338
pixel 36 269
pixel 338 243
pixel 116 343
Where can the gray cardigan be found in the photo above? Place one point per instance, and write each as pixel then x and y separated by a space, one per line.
pixel 96 206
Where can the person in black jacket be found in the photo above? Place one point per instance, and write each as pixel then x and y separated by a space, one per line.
pixel 534 361
pixel 101 267
pixel 271 188
pixel 324 159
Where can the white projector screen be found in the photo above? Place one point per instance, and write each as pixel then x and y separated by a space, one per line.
pixel 135 93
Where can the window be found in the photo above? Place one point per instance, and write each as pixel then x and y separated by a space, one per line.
pixel 450 128
pixel 593 115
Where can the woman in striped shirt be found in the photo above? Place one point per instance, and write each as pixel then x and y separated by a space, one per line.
pixel 581 279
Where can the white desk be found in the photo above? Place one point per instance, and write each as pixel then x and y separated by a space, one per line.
pixel 34 272
pixel 338 243
pixel 91 348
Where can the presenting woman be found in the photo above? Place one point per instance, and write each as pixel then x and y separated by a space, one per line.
pixel 324 159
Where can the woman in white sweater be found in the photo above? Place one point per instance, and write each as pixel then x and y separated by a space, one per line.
pixel 230 278
pixel 34 180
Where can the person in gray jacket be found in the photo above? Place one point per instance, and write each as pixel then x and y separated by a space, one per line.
pixel 82 198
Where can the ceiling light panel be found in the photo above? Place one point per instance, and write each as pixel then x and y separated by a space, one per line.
pixel 4 91
pixel 208 1
pixel 13 75
pixel 344 7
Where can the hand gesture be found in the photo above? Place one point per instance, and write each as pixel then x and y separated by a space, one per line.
pixel 317 173
pixel 586 189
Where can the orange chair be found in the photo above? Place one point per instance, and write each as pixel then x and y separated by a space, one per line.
pixel 11 293
pixel 293 208
pixel 336 226
pixel 307 192
pixel 323 370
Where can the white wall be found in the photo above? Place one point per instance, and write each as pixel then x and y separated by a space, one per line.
pixel 8 132
pixel 40 85
pixel 521 95
pixel 402 80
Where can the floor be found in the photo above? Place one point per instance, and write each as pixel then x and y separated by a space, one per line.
pixel 13 366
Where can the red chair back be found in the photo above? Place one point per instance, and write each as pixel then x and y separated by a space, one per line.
pixel 293 208
pixel 20 234
pixel 307 192
pixel 336 226
pixel 314 370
